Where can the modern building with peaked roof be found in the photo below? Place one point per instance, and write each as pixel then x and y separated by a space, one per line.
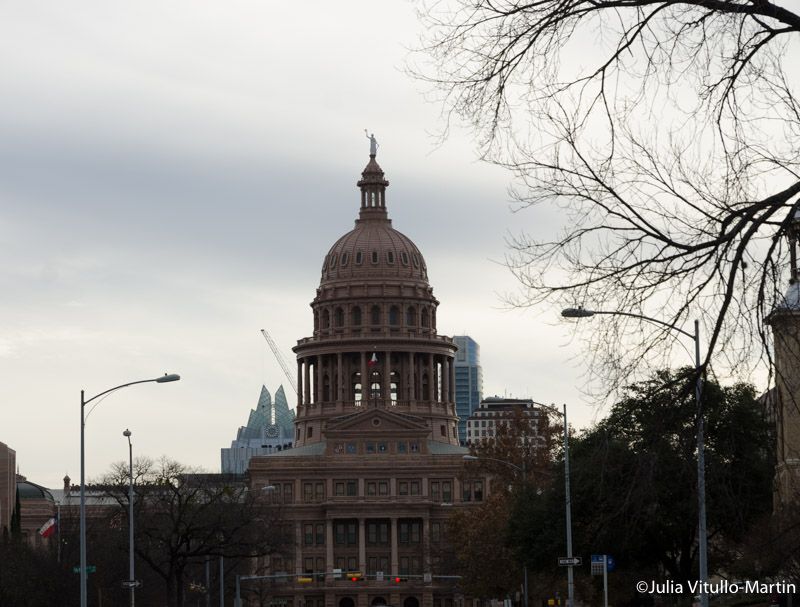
pixel 376 467
pixel 269 429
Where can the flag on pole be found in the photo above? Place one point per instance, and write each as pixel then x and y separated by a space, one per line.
pixel 48 529
pixel 373 361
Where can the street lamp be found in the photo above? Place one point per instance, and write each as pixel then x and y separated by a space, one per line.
pixel 701 463
pixel 473 458
pixel 160 380
pixel 131 578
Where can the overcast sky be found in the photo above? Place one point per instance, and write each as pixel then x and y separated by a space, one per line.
pixel 171 177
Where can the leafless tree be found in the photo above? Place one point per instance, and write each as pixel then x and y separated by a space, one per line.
pixel 184 517
pixel 665 131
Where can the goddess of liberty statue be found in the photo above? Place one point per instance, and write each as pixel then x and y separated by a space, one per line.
pixel 373 143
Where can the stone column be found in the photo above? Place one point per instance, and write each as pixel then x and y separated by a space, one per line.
pixel 339 378
pixel 395 558
pixel 318 379
pixel 329 564
pixel 364 378
pixel 298 555
pixel 412 388
pixel 426 544
pixel 362 547
pixel 445 383
pixel 386 392
pixel 306 382
pixel 299 382
pixel 452 380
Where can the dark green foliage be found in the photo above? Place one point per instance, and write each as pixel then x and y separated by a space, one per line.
pixel 634 481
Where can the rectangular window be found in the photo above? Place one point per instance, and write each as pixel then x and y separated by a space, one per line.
pixel 308 492
pixel 308 534
pixel 447 492
pixel 352 449
pixel 287 493
pixel 319 493
pixel 352 533
pixel 466 491
pixel 352 488
pixel 377 533
pixel 402 488
pixel 370 447
pixel 383 488
pixel 435 492
pixel 308 565
pixel 415 487
pixel 413 446
pixel 401 447
pixel 340 533
pixel 436 533
pixel 372 488
pixel 320 534
pixel 477 490
pixel 351 563
pixel 382 448
pixel 339 488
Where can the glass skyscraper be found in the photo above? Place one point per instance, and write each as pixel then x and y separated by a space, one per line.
pixel 469 381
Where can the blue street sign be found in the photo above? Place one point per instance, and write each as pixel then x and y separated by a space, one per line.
pixel 597 563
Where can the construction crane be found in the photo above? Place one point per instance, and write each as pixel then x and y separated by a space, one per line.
pixel 281 361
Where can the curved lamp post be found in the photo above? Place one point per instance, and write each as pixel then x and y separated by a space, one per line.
pixel 702 539
pixel 159 380
pixel 131 578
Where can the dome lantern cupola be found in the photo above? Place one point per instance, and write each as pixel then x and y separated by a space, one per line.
pixel 373 191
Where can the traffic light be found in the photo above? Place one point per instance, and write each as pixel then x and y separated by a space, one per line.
pixel 305 579
pixel 354 576
pixel 399 579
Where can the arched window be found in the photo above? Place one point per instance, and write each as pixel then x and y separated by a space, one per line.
pixel 316 320
pixel 356 386
pixel 326 319
pixel 338 317
pixel 426 387
pixel 426 318
pixel 394 381
pixel 345 257
pixel 411 316
pixel 375 384
pixel 390 257
pixel 394 315
pixel 374 257
pixel 359 258
pixel 376 315
pixel 355 316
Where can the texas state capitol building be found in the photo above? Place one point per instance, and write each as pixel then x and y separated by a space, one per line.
pixel 376 466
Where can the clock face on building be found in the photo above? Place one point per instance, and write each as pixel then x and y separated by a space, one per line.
pixel 272 431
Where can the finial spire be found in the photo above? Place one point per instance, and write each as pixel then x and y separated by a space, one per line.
pixel 373 143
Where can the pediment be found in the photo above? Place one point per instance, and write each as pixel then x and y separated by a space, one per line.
pixel 377 421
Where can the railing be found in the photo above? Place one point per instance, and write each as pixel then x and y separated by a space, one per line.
pixel 328 335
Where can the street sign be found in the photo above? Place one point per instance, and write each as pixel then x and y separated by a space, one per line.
pixel 131 583
pixel 89 569
pixel 597 564
pixel 379 576
pixel 569 561
pixel 427 578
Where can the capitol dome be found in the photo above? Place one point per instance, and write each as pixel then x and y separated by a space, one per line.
pixel 373 249
pixel 374 344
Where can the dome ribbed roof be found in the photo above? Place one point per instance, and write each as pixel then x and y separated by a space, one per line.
pixel 373 249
